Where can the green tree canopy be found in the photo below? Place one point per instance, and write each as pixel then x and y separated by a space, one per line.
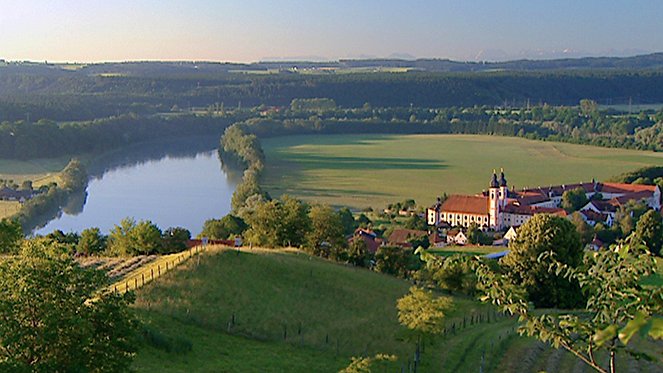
pixel 423 312
pixel 131 238
pixel 221 229
pixel 11 235
pixel 175 239
pixel 326 237
pixel 49 324
pixel 91 242
pixel 545 233
pixel 649 231
pixel 573 200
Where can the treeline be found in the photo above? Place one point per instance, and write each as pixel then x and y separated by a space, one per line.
pixel 242 150
pixel 35 211
pixel 581 124
pixel 57 95
pixel 647 175
pixel 46 139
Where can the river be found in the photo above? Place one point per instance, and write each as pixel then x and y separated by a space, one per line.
pixel 180 190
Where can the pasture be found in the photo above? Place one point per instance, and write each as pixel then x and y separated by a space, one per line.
pixel 281 310
pixel 374 170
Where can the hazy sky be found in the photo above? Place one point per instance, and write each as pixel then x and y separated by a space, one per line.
pixel 251 30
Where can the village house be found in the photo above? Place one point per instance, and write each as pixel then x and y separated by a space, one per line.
pixel 500 208
pixel 370 238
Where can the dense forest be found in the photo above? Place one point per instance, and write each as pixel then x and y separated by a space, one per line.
pixel 73 93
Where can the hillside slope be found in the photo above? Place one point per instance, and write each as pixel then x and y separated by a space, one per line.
pixel 273 311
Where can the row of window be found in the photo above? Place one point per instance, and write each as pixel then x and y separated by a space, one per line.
pixel 459 217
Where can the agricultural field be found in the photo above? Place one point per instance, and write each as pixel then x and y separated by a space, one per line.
pixel 40 171
pixel 281 310
pixel 373 170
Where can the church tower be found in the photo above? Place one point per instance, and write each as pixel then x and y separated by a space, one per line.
pixel 494 202
pixel 504 190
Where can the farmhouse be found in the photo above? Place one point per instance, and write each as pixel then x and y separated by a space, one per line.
pixel 500 208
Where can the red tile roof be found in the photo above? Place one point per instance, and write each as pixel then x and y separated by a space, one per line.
pixel 401 236
pixel 627 188
pixel 477 205
pixel 531 210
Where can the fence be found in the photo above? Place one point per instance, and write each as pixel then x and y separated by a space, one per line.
pixel 155 269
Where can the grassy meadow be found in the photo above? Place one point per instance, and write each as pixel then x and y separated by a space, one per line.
pixel 274 311
pixel 373 170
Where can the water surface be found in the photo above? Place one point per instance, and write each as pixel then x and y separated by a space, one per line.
pixel 171 191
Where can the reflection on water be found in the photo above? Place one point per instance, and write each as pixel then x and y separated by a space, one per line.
pixel 169 187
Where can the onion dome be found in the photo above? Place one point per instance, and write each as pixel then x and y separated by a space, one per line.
pixel 493 181
pixel 502 178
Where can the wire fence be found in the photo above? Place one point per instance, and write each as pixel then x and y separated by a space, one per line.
pixel 155 269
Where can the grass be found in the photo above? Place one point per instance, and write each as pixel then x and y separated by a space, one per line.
pixel 466 250
pixel 232 309
pixel 214 351
pixel 373 170
pixel 9 208
pixel 333 311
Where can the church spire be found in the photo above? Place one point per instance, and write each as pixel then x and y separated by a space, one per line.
pixel 502 178
pixel 493 181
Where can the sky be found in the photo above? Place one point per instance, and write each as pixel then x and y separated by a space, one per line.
pixel 251 30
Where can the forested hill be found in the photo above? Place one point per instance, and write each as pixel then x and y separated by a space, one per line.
pixel 33 91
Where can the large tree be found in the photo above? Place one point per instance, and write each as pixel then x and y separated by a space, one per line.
pixel 545 233
pixel 221 229
pixel 11 235
pixel 91 242
pixel 326 237
pixel 53 320
pixel 574 199
pixel 649 231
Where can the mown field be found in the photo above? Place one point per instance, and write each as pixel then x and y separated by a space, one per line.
pixel 275 311
pixel 373 170
pixel 40 172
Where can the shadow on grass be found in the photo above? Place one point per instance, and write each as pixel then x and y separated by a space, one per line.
pixel 359 163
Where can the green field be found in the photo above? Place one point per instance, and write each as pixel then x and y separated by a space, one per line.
pixel 373 170
pixel 297 313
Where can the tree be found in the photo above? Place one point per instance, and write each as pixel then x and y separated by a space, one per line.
pixel 279 223
pixel 11 235
pixel 416 222
pixel 455 274
pixel 367 364
pixel 543 233
pixel 588 107
pixel 131 238
pixel 628 214
pixel 264 223
pixel 477 237
pixel 357 253
pixel 49 322
pixel 610 318
pixel 175 239
pixel 574 199
pixel 348 220
pixel 585 230
pixel 91 242
pixel 294 221
pixel 649 231
pixel 221 229
pixel 147 238
pixel 326 237
pixel 393 260
pixel 422 312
